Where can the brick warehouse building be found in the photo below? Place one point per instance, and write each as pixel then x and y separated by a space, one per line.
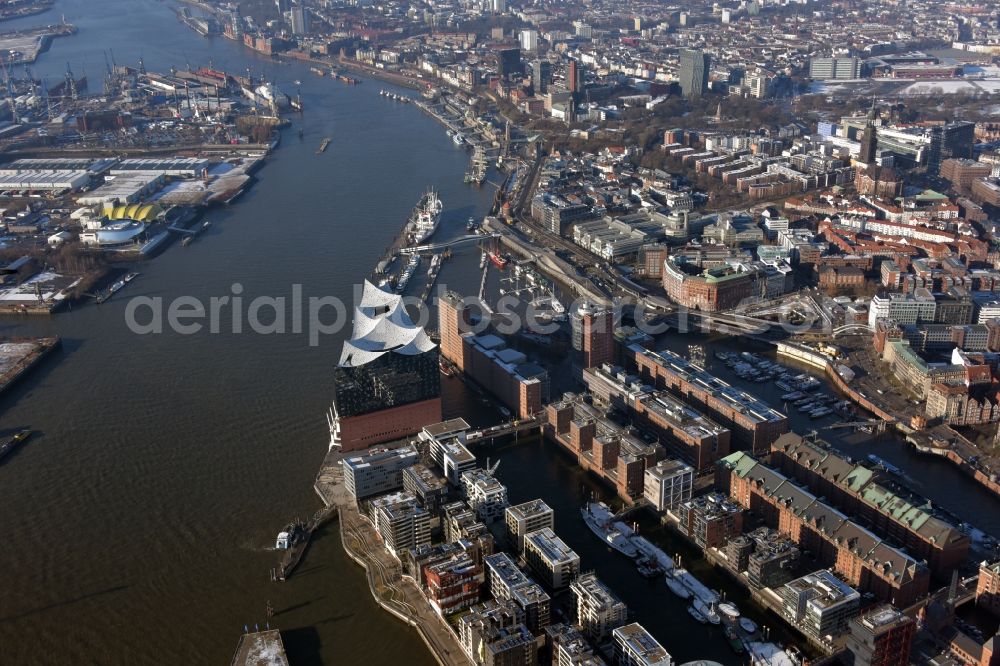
pixel 753 423
pixel 680 428
pixel 387 385
pixel 711 290
pixel 601 446
pixel 853 489
pixel 863 559
pixel 485 358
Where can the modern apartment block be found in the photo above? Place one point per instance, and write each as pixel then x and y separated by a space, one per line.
pixel 494 634
pixel 549 556
pixel 568 647
pixel 485 495
pixel 820 604
pixel 527 517
pixel 454 584
pixel 401 522
pixel 668 484
pixel 598 610
pixel 693 68
pixel 447 448
pixel 634 646
pixel 504 576
pixel 378 471
pixel 711 520
pixel 882 636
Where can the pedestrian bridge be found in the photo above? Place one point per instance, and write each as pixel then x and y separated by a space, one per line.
pixel 503 429
pixel 471 238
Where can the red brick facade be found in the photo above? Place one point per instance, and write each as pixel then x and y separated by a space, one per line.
pixel 361 432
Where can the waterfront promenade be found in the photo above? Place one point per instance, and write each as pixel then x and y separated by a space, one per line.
pixel 394 592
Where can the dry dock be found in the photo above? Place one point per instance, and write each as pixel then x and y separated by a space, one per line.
pixel 394 592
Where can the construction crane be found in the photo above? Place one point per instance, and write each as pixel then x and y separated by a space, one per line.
pixel 10 89
pixel 71 83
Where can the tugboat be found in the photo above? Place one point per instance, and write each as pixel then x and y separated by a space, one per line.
pixel 498 260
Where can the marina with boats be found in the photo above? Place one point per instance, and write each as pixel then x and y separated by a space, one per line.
pixel 706 606
pixel 802 389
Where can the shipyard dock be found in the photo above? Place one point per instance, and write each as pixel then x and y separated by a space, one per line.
pixel 395 593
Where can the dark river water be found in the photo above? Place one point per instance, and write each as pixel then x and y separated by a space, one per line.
pixel 138 525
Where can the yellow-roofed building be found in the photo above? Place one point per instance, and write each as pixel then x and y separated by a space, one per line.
pixel 139 212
